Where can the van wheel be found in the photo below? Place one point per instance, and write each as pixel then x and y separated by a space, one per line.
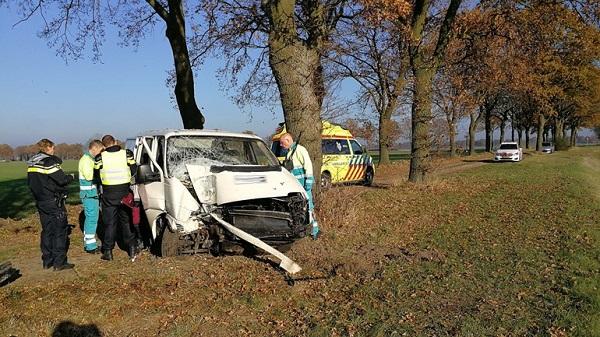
pixel 325 180
pixel 369 176
pixel 169 242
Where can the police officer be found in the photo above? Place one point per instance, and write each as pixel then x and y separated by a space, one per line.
pixel 303 171
pixel 116 166
pixel 88 192
pixel 47 183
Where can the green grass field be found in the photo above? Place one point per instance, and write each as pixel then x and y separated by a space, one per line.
pixel 507 249
pixel 15 198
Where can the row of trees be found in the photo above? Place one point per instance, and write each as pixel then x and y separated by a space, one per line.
pixel 530 64
pixel 24 152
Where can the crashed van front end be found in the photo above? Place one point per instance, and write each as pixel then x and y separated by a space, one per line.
pixel 201 189
pixel 266 202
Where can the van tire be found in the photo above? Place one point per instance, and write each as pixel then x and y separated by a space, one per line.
pixel 325 180
pixel 369 176
pixel 169 242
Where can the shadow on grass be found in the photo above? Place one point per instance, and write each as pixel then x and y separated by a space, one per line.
pixel 70 329
pixel 17 202
pixel 479 161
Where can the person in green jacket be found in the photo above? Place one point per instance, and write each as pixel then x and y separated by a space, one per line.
pixel 88 192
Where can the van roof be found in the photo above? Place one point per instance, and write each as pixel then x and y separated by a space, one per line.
pixel 196 132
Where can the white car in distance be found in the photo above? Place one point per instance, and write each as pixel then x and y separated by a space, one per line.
pixel 509 151
pixel 547 147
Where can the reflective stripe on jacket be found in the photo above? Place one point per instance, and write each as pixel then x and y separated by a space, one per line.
pixel 45 176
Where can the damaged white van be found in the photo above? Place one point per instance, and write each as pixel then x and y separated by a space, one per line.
pixel 200 189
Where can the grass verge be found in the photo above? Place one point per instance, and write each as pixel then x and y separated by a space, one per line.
pixel 507 249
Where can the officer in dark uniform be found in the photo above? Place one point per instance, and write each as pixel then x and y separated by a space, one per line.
pixel 115 166
pixel 48 182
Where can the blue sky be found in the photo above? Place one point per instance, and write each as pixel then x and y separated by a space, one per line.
pixel 42 96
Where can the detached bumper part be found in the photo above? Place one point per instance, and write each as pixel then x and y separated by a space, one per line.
pixel 285 262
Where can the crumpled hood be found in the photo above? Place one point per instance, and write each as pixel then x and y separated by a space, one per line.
pixel 238 186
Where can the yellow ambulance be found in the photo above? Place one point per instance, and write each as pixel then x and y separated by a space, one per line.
pixel 344 159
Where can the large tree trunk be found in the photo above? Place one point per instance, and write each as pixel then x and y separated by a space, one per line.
pixel 474 119
pixel 527 137
pixel 540 131
pixel 295 67
pixel 559 129
pixel 424 68
pixel 573 136
pixel 488 129
pixel 184 88
pixel 452 138
pixel 502 130
pixel 421 117
pixel 385 120
pixel 512 130
pixel 520 135
pixel 385 117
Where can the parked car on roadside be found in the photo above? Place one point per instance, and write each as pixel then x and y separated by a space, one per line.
pixel 547 147
pixel 509 151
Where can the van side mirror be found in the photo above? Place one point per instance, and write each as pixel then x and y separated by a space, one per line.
pixel 146 175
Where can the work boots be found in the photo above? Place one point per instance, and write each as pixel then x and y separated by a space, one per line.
pixel 64 266
pixel 132 251
pixel 107 255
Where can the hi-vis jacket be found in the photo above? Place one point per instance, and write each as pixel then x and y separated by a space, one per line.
pixel 303 169
pixel 45 177
pixel 87 187
pixel 116 166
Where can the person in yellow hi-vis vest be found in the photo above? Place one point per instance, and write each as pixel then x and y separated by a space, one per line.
pixel 116 167
pixel 301 167
pixel 88 192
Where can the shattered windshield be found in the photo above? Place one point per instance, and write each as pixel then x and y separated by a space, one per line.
pixel 215 151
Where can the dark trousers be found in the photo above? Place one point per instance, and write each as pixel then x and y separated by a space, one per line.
pixel 54 238
pixel 115 214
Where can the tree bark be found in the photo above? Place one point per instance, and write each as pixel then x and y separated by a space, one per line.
pixel 295 67
pixel 527 137
pixel 474 120
pixel 452 138
pixel 488 129
pixel 502 130
pixel 559 129
pixel 385 119
pixel 573 141
pixel 540 131
pixel 191 116
pixel 520 135
pixel 421 116
pixel 424 64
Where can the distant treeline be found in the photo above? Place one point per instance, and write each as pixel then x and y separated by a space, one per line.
pixel 24 152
